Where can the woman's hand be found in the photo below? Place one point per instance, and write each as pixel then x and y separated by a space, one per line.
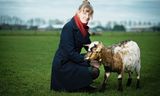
pixel 95 63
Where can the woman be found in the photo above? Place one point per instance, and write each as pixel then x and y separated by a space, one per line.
pixel 70 71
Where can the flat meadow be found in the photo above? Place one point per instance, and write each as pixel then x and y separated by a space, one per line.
pixel 26 57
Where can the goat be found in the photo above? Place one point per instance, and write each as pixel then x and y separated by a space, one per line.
pixel 120 58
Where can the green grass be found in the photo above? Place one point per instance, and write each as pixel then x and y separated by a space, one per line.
pixel 25 65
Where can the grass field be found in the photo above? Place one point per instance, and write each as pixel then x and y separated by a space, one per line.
pixel 25 64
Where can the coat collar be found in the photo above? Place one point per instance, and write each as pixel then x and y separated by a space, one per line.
pixel 74 24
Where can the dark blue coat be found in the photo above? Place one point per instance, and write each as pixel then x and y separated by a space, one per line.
pixel 69 70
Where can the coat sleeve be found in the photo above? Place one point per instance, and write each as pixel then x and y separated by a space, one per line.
pixel 68 45
pixel 88 42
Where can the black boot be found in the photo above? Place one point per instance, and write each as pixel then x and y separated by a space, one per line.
pixel 89 89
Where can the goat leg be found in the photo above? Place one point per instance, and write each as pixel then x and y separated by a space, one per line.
pixel 138 79
pixel 120 88
pixel 138 84
pixel 103 84
pixel 106 75
pixel 129 80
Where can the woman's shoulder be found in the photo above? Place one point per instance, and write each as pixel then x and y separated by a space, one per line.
pixel 71 24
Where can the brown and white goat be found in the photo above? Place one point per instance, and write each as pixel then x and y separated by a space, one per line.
pixel 120 58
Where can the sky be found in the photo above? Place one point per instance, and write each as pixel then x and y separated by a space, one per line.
pixel 104 10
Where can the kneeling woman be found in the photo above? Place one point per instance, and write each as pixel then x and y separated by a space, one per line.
pixel 70 71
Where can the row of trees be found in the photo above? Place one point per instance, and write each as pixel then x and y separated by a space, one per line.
pixel 31 22
pixel 39 21
pixel 7 22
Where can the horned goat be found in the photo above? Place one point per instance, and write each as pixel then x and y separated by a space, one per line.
pixel 120 58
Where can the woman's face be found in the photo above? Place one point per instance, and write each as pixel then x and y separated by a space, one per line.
pixel 84 15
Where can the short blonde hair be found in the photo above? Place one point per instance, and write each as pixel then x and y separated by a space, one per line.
pixel 86 4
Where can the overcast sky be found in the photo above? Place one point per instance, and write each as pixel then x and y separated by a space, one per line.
pixel 105 10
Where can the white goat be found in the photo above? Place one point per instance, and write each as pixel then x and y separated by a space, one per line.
pixel 120 58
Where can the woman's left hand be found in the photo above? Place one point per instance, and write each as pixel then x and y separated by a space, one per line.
pixel 95 63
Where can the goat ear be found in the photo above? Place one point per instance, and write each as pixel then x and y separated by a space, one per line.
pixel 100 42
pixel 86 45
pixel 98 49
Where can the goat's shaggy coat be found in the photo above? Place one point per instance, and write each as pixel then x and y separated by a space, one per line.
pixel 122 57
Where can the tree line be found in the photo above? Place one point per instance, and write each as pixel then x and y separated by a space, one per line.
pixel 8 22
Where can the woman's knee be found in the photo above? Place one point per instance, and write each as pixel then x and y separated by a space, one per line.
pixel 95 73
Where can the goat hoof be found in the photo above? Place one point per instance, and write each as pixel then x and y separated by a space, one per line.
pixel 120 89
pixel 129 82
pixel 138 87
pixel 138 84
pixel 102 89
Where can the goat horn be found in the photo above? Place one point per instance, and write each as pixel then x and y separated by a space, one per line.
pixel 87 45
